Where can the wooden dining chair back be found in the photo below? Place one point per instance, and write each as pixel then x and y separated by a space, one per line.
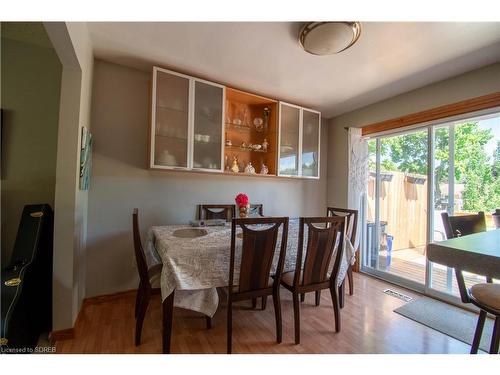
pixel 256 210
pixel 140 256
pixel 462 225
pixel 325 236
pixel 149 278
pixel 322 243
pixel 351 220
pixel 351 232
pixel 216 211
pixel 255 257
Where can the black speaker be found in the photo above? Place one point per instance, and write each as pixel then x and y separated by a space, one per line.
pixel 26 289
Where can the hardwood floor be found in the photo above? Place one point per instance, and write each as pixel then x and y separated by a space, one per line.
pixel 369 325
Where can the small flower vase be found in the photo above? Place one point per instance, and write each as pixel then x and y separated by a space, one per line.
pixel 244 210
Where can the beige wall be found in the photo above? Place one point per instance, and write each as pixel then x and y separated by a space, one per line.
pixel 472 84
pixel 73 46
pixel 31 80
pixel 120 182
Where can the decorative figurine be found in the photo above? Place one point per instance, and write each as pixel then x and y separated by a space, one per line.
pixel 243 144
pixel 264 145
pixel 249 168
pixel 228 142
pixel 264 169
pixel 235 168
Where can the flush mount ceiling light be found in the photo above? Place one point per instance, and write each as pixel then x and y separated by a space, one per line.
pixel 328 38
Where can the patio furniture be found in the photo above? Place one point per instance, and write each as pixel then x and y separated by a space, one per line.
pixel 316 274
pixel 496 218
pixel 462 225
pixel 371 242
pixel 257 252
pixel 216 211
pixel 476 253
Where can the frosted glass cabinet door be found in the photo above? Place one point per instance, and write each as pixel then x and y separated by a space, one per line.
pixel 310 143
pixel 208 106
pixel 171 120
pixel 289 140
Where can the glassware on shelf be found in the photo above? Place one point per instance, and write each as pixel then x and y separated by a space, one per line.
pixel 267 113
pixel 258 123
pixel 166 158
pixel 245 118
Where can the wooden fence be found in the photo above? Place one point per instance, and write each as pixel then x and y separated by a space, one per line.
pixel 403 205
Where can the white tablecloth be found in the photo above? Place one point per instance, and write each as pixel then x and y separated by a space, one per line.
pixel 194 267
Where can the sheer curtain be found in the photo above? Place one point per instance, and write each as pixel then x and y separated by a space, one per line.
pixel 358 175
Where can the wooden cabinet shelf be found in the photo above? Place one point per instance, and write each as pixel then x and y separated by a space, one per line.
pixel 245 149
pixel 245 108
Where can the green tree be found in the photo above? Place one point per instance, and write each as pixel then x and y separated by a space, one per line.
pixel 473 167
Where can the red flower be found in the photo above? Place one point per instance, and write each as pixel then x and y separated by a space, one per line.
pixel 241 200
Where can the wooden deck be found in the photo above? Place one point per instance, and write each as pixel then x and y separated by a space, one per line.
pixel 410 264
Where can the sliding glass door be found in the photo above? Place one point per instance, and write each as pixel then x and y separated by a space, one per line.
pixel 417 175
pixel 466 180
pixel 397 200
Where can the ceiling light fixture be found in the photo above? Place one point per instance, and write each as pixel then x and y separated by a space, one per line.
pixel 328 38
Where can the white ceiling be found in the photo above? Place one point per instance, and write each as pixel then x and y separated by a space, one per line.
pixel 388 59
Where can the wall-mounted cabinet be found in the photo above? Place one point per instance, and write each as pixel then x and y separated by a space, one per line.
pixel 197 125
pixel 299 141
pixel 186 122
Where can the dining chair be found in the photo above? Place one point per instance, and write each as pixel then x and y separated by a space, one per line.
pixel 256 210
pixel 149 278
pixel 216 211
pixel 351 231
pixel 317 273
pixel 482 295
pixel 258 248
pixel 486 296
pixel 462 225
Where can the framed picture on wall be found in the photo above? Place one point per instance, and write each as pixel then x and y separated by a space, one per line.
pixel 85 159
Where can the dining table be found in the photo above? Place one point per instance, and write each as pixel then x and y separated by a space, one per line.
pixel 477 253
pixel 195 262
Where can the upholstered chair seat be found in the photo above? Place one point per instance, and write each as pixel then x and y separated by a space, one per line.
pixel 487 295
